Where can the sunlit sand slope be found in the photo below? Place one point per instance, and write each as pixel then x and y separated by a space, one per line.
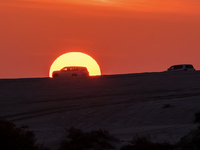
pixel 123 104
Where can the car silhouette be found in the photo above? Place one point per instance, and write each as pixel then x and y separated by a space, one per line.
pixel 181 67
pixel 71 72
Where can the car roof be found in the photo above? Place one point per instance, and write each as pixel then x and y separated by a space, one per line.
pixel 182 64
pixel 74 67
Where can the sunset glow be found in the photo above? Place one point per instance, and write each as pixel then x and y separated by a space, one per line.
pixel 76 59
pixel 125 36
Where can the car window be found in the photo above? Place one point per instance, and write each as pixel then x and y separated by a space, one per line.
pixel 178 67
pixel 171 68
pixel 64 69
pixel 73 69
pixel 189 66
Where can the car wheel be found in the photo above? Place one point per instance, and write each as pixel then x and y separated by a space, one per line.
pixel 55 75
pixel 74 75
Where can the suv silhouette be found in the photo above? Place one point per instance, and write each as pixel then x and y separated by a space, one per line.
pixel 182 67
pixel 71 72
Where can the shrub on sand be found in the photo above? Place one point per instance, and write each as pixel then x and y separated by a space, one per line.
pixel 197 117
pixel 144 143
pixel 191 141
pixel 79 140
pixel 17 138
pixel 167 106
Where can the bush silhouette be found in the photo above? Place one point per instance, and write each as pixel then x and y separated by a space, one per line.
pixel 191 141
pixel 197 117
pixel 79 140
pixel 144 143
pixel 167 106
pixel 17 138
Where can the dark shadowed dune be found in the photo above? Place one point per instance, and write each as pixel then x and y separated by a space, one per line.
pixel 123 104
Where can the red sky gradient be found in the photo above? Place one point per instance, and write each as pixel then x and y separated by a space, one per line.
pixel 123 36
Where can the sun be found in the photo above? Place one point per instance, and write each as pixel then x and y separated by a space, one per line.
pixel 76 59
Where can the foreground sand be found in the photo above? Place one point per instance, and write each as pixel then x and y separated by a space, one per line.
pixel 123 104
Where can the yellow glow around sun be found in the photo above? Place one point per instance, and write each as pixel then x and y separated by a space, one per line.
pixel 76 59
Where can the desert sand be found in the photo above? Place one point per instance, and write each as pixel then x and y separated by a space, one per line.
pixel 125 105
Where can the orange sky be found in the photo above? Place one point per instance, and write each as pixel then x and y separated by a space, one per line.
pixel 123 36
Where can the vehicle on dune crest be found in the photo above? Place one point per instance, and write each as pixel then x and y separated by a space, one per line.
pixel 181 67
pixel 71 71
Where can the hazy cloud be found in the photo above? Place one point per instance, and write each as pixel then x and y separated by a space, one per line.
pixel 182 6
